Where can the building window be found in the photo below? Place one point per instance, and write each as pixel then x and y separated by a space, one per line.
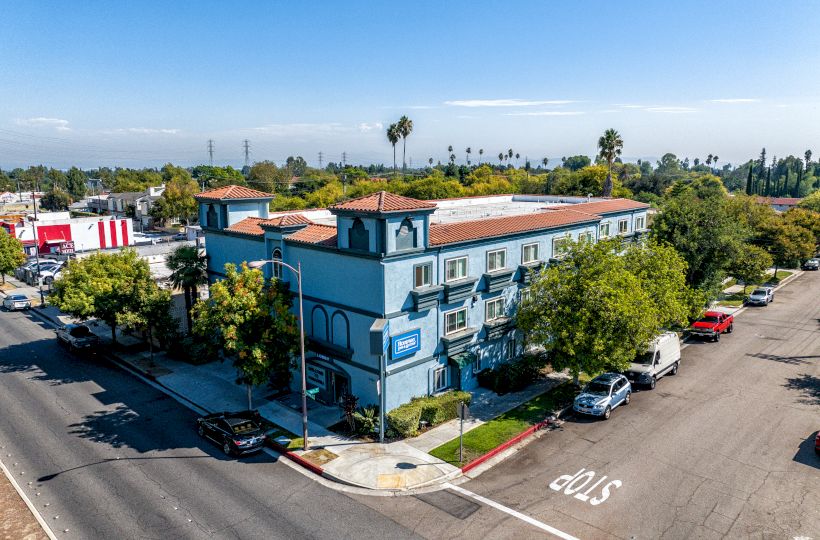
pixel 623 226
pixel 455 269
pixel 494 309
pixel 604 230
pixel 277 268
pixel 359 239
pixel 455 321
pixel 585 237
pixel 210 216
pixel 440 379
pixel 560 246
pixel 476 365
pixel 496 260
pixel 422 274
pixel 510 352
pixel 529 253
pixel 406 235
pixel 640 223
pixel 524 295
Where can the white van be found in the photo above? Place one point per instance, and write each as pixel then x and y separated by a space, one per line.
pixel 661 357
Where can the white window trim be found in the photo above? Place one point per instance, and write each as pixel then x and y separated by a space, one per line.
pixel 642 220
pixel 499 314
pixel 586 235
pixel 522 293
pixel 608 229
pixel 453 260
pixel 454 312
pixel 492 252
pixel 445 375
pixel 626 226
pixel 429 277
pixel 524 250
pixel 555 254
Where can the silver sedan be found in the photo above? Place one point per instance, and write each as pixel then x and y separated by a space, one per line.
pixel 14 302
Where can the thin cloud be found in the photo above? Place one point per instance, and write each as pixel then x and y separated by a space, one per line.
pixel 671 110
pixel 147 131
pixel 365 127
pixel 547 113
pixel 505 102
pixel 735 100
pixel 303 128
pixel 631 106
pixel 57 123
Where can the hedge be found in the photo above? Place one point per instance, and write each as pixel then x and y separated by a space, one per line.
pixel 404 420
pixel 513 376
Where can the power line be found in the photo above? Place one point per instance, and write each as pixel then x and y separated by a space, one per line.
pixel 211 152
pixel 246 145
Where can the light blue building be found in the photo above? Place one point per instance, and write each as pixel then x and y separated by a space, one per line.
pixel 430 285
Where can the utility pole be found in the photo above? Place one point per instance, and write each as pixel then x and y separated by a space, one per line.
pixel 344 160
pixel 246 145
pixel 320 159
pixel 211 152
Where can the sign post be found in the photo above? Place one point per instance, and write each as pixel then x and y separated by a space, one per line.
pixel 461 431
pixel 379 344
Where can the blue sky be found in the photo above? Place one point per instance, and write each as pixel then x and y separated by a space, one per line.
pixel 143 83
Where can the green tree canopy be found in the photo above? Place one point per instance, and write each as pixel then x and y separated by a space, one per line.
pixel 11 253
pixel 252 324
pixel 179 193
pixel 751 266
pixel 55 200
pixel 101 286
pixel 75 183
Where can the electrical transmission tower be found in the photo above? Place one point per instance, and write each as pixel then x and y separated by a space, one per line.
pixel 320 160
pixel 344 159
pixel 211 152
pixel 246 145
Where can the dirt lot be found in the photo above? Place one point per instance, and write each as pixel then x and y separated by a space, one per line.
pixel 16 521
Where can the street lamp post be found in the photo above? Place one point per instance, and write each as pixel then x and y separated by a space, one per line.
pixel 37 252
pixel 298 272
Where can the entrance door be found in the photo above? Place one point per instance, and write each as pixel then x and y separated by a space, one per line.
pixel 341 386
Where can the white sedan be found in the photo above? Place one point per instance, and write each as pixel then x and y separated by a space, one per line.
pixel 14 302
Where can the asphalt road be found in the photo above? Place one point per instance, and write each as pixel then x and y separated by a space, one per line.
pixel 723 449
pixel 110 457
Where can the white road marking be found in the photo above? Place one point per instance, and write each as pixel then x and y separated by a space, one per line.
pixel 532 521
pixel 30 505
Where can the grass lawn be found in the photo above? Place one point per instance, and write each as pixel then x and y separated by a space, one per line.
pixel 503 428
pixel 731 282
pixel 732 300
pixel 781 275
pixel 273 431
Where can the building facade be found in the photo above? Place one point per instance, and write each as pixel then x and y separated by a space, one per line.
pixel 70 235
pixel 424 291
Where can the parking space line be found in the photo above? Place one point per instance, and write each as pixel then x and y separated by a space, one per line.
pixel 532 521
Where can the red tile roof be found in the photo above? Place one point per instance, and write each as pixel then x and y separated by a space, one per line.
pixel 780 201
pixel 232 192
pixel 286 221
pixel 607 207
pixel 381 202
pixel 248 226
pixel 452 233
pixel 323 235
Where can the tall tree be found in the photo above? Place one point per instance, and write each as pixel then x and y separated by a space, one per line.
pixel 188 271
pixel 468 151
pixel 715 160
pixel 179 193
pixel 796 192
pixel 76 183
pixel 807 155
pixel 480 153
pixel 11 253
pixel 501 157
pixel 544 162
pixel 101 286
pixel 393 136
pixel 250 322
pixel 55 200
pixel 752 267
pixel 609 147
pixel 768 190
pixel 405 129
pixel 749 180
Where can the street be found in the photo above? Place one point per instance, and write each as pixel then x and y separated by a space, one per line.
pixel 108 456
pixel 723 449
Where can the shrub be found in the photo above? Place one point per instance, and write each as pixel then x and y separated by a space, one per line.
pixel 513 376
pixel 404 420
pixel 366 419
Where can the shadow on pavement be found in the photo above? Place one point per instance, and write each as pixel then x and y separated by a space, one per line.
pixel 794 360
pixel 806 453
pixel 808 385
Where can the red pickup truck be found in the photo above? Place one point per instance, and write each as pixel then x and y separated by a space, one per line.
pixel 712 325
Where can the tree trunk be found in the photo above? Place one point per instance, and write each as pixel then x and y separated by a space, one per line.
pixel 114 336
pixel 394 159
pixel 404 154
pixel 187 294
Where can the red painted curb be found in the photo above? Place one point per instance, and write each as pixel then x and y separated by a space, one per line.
pixel 503 446
pixel 296 458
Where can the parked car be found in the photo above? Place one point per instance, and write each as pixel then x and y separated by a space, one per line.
pixel 45 268
pixel 20 272
pixel 602 394
pixel 761 296
pixel 712 325
pixel 811 264
pixel 15 302
pixel 662 357
pixel 50 274
pixel 77 337
pixel 238 433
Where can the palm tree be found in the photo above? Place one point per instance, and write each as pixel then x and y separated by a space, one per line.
pixel 544 162
pixel 509 153
pixel 501 157
pixel 189 270
pixel 610 146
pixel 469 151
pixel 393 135
pixel 452 158
pixel 714 160
pixel 517 155
pixel 405 126
pixel 430 161
pixel 480 153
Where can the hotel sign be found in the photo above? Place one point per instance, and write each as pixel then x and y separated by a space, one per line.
pixel 405 344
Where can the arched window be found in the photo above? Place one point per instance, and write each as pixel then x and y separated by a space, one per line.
pixel 318 319
pixel 210 217
pixel 406 235
pixel 359 238
pixel 341 330
pixel 277 268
